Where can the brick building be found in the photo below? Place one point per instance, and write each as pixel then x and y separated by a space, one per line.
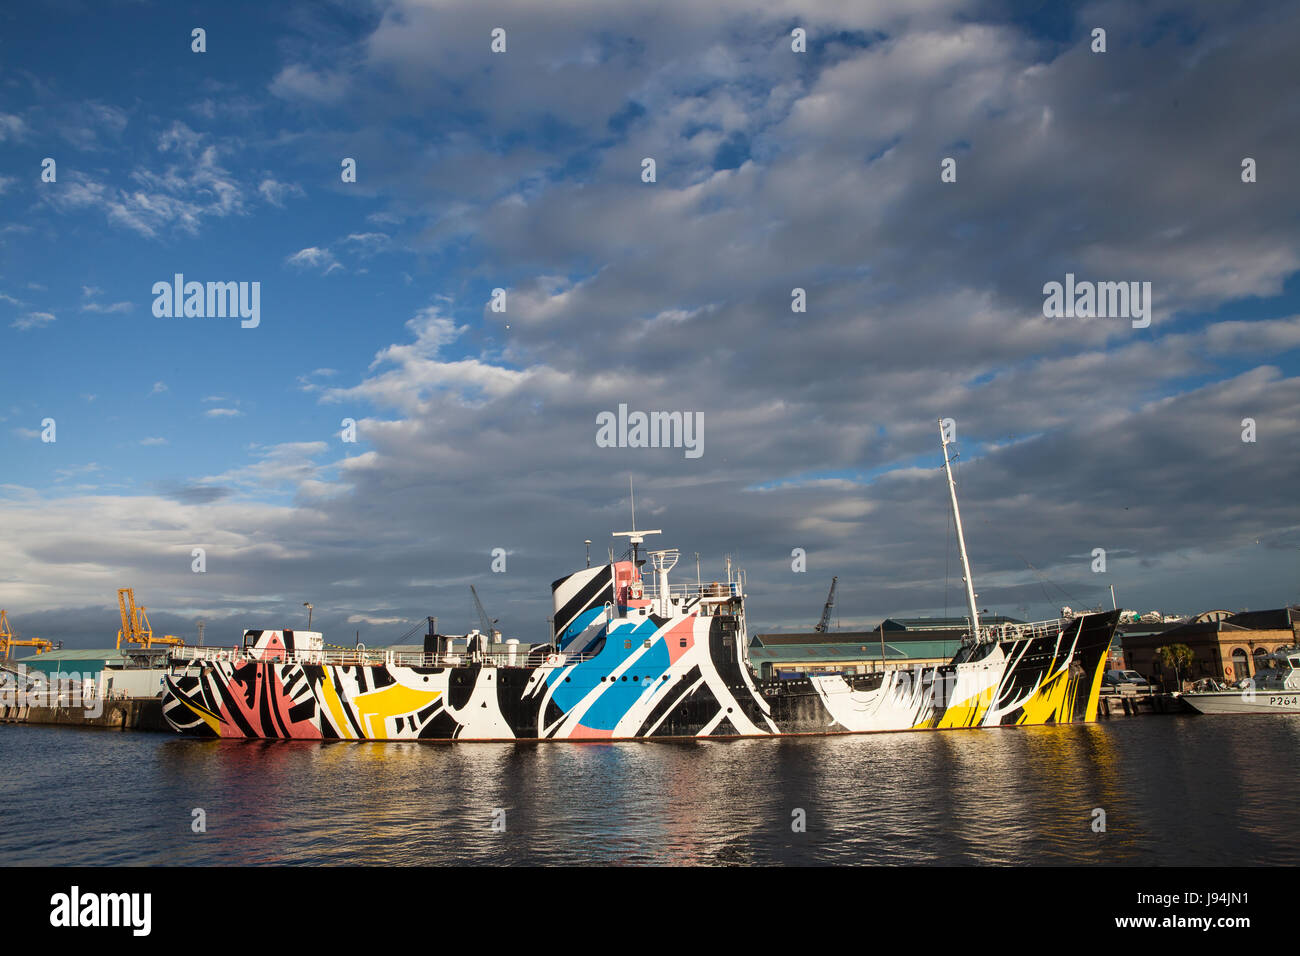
pixel 1227 646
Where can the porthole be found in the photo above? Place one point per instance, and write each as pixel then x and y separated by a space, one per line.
pixel 624 677
pixel 636 678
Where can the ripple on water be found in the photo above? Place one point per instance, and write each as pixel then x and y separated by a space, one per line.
pixel 1175 790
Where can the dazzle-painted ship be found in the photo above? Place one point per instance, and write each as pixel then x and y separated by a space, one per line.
pixel 629 658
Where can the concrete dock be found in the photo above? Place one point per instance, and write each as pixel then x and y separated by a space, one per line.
pixel 1137 704
pixel 126 713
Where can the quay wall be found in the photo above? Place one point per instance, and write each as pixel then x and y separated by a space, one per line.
pixel 130 713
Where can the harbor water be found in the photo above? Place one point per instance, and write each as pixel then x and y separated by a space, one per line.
pixel 1168 790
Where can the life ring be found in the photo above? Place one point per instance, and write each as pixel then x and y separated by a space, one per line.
pixel 637 590
pixel 223 655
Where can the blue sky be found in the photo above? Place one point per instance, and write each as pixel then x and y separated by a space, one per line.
pixel 522 170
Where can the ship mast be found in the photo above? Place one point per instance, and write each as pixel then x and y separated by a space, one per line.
pixel 635 537
pixel 961 540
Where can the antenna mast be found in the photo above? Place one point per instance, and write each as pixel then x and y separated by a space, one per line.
pixel 961 540
pixel 634 537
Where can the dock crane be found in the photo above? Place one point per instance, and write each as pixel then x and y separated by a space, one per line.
pixel 487 634
pixel 825 623
pixel 136 628
pixel 487 624
pixel 8 639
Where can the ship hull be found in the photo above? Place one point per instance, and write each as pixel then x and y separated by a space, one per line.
pixel 655 678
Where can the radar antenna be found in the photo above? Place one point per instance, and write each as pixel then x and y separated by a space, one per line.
pixel 634 537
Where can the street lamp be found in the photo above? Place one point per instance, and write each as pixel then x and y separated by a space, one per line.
pixel 308 607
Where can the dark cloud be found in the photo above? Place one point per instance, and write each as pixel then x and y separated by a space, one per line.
pixel 924 301
pixel 192 494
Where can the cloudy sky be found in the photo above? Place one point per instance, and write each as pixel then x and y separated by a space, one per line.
pixel 523 170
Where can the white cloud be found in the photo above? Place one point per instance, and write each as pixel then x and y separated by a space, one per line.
pixel 276 192
pixel 76 471
pixel 223 413
pixel 368 243
pixel 11 127
pixel 296 81
pixel 314 257
pixel 112 308
pixel 180 196
pixel 32 320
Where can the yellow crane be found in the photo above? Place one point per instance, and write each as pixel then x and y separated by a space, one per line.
pixel 136 628
pixel 8 639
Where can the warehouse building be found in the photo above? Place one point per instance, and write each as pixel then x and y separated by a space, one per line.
pixel 898 643
pixel 1226 646
pixel 133 672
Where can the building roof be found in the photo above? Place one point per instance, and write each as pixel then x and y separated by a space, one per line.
pixel 858 637
pixel 78 657
pixel 816 637
pixel 1277 619
pixel 842 653
pixel 1143 628
pixel 74 654
pixel 944 623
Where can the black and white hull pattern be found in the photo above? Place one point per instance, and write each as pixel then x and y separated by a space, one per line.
pixel 628 662
pixel 632 659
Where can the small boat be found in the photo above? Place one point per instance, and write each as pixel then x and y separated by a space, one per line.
pixel 1274 689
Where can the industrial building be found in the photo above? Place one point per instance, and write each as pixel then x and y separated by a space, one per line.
pixel 130 672
pixel 897 642
pixel 1226 646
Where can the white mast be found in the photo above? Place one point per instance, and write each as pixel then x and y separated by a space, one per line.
pixel 635 537
pixel 961 539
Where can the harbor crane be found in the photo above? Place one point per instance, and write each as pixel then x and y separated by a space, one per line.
pixel 487 625
pixel 825 623
pixel 136 628
pixel 8 639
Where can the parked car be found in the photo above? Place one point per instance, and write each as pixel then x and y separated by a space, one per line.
pixel 1116 677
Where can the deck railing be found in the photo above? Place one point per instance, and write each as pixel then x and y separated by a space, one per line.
pixel 1014 632
pixel 373 657
pixel 685 593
